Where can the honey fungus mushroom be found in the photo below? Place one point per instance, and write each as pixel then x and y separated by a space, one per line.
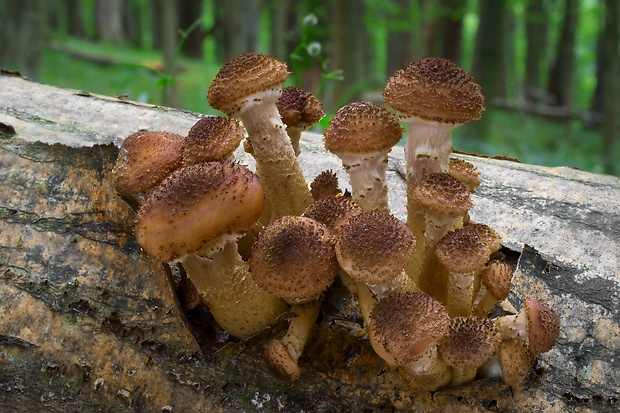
pixel 247 87
pixel 144 160
pixel 362 134
pixel 195 217
pixel 212 138
pixel 405 330
pixel 299 109
pixel 293 258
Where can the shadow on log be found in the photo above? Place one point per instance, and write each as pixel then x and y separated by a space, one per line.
pixel 89 323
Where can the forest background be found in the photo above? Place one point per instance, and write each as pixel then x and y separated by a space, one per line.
pixel 549 68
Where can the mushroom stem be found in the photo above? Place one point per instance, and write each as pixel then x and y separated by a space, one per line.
pixel 294 134
pixel 367 178
pixel 460 294
pixel 513 326
pixel 429 372
pixel 286 190
pixel 300 327
pixel 485 304
pixel 365 299
pixel 237 303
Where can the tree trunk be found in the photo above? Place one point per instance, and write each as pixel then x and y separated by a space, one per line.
pixel 509 78
pixel 442 33
pixel 169 27
pixel 562 70
pixel 22 35
pixel 109 20
pixel 89 323
pixel 190 11
pixel 536 20
pixel 132 22
pixel 401 34
pixel 75 19
pixel 237 31
pixel 611 92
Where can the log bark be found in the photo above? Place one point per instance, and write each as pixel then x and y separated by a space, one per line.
pixel 89 323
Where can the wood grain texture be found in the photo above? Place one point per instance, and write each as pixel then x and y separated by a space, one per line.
pixel 89 323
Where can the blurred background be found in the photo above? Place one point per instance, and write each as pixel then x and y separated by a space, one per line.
pixel 549 68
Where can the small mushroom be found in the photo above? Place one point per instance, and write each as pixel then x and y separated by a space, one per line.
pixel 465 172
pixel 537 323
pixel 144 160
pixel 516 361
pixel 247 87
pixel 299 109
pixel 362 134
pixel 468 344
pixel 404 331
pixel 496 277
pixel 212 138
pixel 199 211
pixel 325 185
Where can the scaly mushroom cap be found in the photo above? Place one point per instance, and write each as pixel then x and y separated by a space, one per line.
pixel 462 252
pixel 280 361
pixel 144 160
pixel 212 138
pixel 443 194
pixel 516 361
pixel 435 89
pixel 197 206
pixel 487 235
pixel 465 172
pixel 373 247
pixel 243 76
pixel 469 342
pixel 293 258
pixel 543 325
pixel 333 211
pixel 362 127
pixel 324 185
pixel 496 277
pixel 299 108
pixel 407 325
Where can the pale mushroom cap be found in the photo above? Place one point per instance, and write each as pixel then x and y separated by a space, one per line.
pixel 198 204
pixel 212 138
pixel 298 107
pixel 543 325
pixel 374 246
pixel 515 360
pixel 324 185
pixel 333 211
pixel 462 252
pixel 145 159
pixel 293 258
pixel 362 127
pixel 469 342
pixel 497 276
pixel 280 361
pixel 242 76
pixel 465 172
pixel 443 194
pixel 435 89
pixel 407 325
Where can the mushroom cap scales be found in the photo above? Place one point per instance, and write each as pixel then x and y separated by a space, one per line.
pixel 443 194
pixel 435 89
pixel 243 76
pixel 198 205
pixel 469 342
pixel 298 107
pixel 362 127
pixel 212 138
pixel 293 258
pixel 543 325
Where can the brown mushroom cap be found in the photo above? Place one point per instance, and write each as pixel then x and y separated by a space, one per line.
pixel 280 361
pixel 374 246
pixel 242 76
pixel 465 172
pixel 324 185
pixel 293 258
pixel 299 108
pixel 543 325
pixel 333 211
pixel 362 127
pixel 144 160
pixel 469 342
pixel 462 252
pixel 496 276
pixel 443 194
pixel 487 235
pixel 212 138
pixel 435 89
pixel 407 325
pixel 515 360
pixel 198 205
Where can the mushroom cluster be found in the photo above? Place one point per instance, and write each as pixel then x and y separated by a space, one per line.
pixel 426 288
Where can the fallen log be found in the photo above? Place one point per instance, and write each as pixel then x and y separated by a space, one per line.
pixel 89 323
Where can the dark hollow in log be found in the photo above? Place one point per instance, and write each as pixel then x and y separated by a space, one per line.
pixel 89 323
